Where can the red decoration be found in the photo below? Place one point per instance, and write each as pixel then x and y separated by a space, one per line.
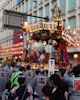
pixel 78 29
pixel 63 64
pixel 77 85
pixel 70 32
pixel 74 37
pixel 78 37
pixel 75 45
pixel 27 42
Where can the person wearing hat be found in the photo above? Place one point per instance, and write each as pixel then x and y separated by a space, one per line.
pixel 39 81
pixel 73 82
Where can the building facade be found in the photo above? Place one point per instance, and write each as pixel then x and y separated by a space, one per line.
pixel 70 15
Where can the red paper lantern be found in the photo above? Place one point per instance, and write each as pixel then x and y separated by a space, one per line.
pixel 78 30
pixel 77 44
pixel 70 32
pixel 74 37
pixel 78 37
pixel 74 31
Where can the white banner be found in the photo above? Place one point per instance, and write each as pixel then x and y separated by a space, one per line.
pixel 51 67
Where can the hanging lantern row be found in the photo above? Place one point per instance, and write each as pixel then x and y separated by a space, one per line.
pixel 76 45
pixel 12 49
pixel 13 46
pixel 74 30
pixel 78 37
pixel 12 53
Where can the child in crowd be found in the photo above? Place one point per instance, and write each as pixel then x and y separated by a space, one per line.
pixel 21 93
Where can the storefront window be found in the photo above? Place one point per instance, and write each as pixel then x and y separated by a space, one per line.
pixel 47 10
pixel 23 7
pixel 63 5
pixel 72 4
pixel 64 24
pixel 35 19
pixel 26 5
pixel 53 3
pixel 41 13
pixel 31 3
pixel 71 22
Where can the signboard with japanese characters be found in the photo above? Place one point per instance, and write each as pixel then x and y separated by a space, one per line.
pixel 51 67
pixel 68 38
pixel 56 26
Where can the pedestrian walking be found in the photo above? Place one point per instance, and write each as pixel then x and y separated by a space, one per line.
pixel 46 92
pixel 63 85
pixel 6 66
pixel 73 82
pixel 29 74
pixel 56 92
pixel 14 81
pixel 4 78
pixel 39 81
pixel 13 68
pixel 23 92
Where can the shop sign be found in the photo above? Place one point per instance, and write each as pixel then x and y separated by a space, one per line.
pixel 76 84
pixel 51 67
pixel 56 26
pixel 68 38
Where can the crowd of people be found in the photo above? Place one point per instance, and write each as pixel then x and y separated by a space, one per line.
pixel 20 83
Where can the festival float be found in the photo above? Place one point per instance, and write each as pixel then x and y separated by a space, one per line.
pixel 48 43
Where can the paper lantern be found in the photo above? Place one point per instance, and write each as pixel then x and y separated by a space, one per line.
pixel 77 44
pixel 78 37
pixel 16 57
pixel 74 31
pixel 78 30
pixel 75 55
pixel 31 34
pixel 68 27
pixel 25 26
pixel 44 42
pixel 70 32
pixel 74 37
